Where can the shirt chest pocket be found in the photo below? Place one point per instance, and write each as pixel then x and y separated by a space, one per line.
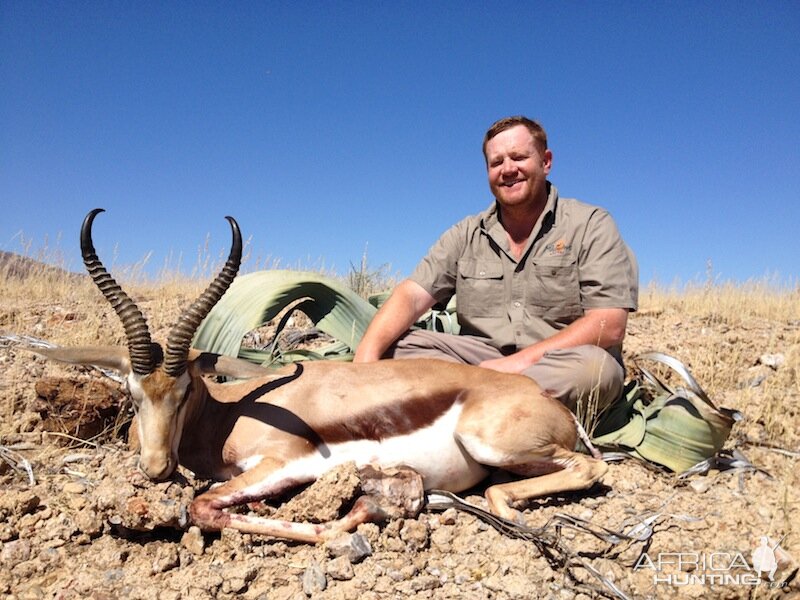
pixel 553 284
pixel 480 288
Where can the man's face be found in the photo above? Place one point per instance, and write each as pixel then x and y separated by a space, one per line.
pixel 517 168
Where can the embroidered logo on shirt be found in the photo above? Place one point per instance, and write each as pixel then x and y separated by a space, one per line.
pixel 558 248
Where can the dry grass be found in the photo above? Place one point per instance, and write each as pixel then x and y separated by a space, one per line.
pixel 739 324
pixel 728 302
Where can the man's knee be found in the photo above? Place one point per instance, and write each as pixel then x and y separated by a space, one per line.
pixel 585 378
pixel 464 349
pixel 420 344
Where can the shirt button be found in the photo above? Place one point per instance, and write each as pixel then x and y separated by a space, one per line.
pixel 517 304
pixel 482 273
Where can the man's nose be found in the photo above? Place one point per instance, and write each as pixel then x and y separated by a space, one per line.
pixel 508 166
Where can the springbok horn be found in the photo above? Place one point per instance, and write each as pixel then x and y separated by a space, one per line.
pixel 136 331
pixel 180 337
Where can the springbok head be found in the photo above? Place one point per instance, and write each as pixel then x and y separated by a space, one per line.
pixel 157 380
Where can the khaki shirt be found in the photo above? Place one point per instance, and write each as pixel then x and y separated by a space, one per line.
pixel 575 260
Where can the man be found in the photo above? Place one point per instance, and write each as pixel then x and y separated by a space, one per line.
pixel 543 284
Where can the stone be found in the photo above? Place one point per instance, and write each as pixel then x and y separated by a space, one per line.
pixel 340 568
pixel 773 361
pixel 14 553
pixel 193 540
pixel 74 487
pixel 414 534
pixel 313 579
pixel 352 545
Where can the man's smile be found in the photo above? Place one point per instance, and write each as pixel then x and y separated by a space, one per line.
pixel 512 183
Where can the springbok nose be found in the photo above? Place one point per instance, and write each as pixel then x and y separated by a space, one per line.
pixel 157 466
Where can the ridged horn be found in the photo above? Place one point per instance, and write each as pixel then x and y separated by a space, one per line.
pixel 133 321
pixel 180 337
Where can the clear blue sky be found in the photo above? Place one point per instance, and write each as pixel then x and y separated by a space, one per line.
pixel 328 127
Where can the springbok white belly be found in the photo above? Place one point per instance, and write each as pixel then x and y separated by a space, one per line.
pixel 432 451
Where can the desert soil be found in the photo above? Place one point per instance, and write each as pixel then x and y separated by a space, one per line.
pixel 83 523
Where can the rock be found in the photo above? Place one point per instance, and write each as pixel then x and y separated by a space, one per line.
pixel 14 553
pixel 414 534
pixel 314 580
pixel 324 499
pixel 21 503
pixel 399 492
pixel 84 408
pixel 773 361
pixel 449 517
pixel 89 522
pixel 700 485
pixel 234 585
pixel 424 583
pixel 166 559
pixel 442 538
pixel 193 540
pixel 511 586
pixel 74 487
pixel 755 381
pixel 352 545
pixel 340 568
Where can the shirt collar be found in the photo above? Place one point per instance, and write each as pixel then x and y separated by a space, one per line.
pixel 490 218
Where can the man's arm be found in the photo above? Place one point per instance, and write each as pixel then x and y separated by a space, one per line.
pixel 408 302
pixel 604 327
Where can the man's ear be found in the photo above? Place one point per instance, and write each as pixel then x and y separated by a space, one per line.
pixel 107 357
pixel 547 160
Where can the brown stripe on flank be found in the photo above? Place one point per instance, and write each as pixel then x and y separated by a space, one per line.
pixel 401 418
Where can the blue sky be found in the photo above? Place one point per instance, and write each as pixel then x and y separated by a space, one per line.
pixel 329 127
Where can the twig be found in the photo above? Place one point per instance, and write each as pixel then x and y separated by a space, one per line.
pixel 548 537
pixel 18 463
pixel 772 448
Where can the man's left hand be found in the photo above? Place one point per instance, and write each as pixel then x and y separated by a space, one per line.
pixel 507 364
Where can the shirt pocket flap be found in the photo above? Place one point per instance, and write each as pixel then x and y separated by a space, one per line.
pixel 476 269
pixel 553 261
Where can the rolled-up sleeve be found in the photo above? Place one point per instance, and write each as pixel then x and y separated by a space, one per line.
pixel 438 270
pixel 608 271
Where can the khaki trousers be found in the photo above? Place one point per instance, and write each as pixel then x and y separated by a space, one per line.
pixel 585 379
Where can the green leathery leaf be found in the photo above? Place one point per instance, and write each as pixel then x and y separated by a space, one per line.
pixel 623 423
pixel 257 298
pixel 679 439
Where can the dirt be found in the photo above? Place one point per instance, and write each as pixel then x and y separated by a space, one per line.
pixel 83 522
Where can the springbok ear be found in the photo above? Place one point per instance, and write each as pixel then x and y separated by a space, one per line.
pixel 208 363
pixel 108 357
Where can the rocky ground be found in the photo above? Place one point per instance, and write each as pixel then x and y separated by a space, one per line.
pixel 78 521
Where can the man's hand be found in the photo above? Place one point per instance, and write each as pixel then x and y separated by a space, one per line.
pixel 602 327
pixel 506 364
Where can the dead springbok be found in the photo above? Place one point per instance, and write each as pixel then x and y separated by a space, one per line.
pixel 273 431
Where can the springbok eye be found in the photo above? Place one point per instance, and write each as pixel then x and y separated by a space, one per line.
pixel 131 400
